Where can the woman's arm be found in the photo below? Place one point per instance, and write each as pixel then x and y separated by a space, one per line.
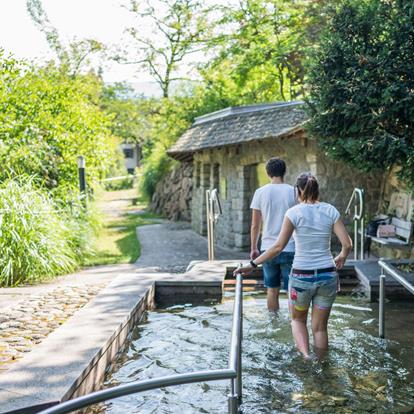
pixel 283 239
pixel 343 236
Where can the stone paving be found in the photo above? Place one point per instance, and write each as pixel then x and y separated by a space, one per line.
pixel 31 320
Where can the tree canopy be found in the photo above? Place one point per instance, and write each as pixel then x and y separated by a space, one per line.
pixel 47 119
pixel 361 87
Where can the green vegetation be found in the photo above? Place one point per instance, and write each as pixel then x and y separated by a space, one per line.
pixel 47 119
pixel 361 87
pixel 117 240
pixel 34 240
pixel 357 76
pixel 259 53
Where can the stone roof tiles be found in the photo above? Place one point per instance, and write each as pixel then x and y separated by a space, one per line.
pixel 236 125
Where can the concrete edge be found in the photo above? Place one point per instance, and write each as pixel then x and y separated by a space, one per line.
pixel 25 378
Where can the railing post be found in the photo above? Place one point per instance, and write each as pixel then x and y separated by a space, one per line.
pixel 239 382
pixel 355 232
pixel 382 304
pixel 233 405
pixel 208 214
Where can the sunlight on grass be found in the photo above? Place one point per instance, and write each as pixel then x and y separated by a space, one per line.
pixel 117 241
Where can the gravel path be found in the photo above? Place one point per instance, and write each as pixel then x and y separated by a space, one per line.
pixel 28 323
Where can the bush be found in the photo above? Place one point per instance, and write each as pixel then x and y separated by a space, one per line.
pixel 47 119
pixel 121 184
pixel 361 87
pixel 35 240
pixel 155 167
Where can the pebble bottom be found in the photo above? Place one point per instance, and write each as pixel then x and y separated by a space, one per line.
pixel 26 325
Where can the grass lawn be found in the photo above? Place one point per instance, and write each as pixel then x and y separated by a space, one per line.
pixel 117 241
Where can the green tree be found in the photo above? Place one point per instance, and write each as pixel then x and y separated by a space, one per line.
pixel 129 112
pixel 264 54
pixel 47 119
pixel 361 87
pixel 178 28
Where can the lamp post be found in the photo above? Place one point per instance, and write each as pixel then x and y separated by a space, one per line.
pixel 82 177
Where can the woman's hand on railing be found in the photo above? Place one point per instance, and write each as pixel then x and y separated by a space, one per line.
pixel 243 270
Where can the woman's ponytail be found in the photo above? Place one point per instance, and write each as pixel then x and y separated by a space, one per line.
pixel 308 187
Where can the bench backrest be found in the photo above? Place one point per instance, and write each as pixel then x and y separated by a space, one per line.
pixel 403 229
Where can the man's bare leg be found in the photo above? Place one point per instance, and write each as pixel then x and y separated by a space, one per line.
pixel 273 299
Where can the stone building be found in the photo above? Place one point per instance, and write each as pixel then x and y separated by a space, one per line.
pixel 229 148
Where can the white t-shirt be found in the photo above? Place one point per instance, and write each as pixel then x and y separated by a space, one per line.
pixel 313 229
pixel 273 200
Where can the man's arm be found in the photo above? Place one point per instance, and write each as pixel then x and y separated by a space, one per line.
pixel 254 233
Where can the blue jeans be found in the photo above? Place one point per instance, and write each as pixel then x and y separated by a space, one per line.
pixel 277 269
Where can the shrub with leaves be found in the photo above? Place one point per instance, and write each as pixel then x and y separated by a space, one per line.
pixel 361 88
pixel 35 240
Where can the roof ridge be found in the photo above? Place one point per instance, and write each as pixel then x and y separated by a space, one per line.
pixel 242 110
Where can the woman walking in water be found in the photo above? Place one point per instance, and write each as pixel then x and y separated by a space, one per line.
pixel 313 279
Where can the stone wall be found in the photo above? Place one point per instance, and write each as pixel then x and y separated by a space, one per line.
pixel 172 197
pixel 233 170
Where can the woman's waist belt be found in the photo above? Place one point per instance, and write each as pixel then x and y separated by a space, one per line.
pixel 313 272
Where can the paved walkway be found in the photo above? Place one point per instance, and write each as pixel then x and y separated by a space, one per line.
pixel 171 246
pixel 29 313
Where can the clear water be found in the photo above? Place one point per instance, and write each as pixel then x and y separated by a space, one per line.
pixel 362 374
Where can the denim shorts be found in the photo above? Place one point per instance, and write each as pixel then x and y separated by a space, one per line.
pixel 277 269
pixel 320 290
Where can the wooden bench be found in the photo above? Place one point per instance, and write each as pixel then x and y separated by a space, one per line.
pixel 403 231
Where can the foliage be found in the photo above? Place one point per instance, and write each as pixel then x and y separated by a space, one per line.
pixel 170 119
pixel 117 241
pixel 129 112
pixel 264 56
pixel 361 88
pixel 34 240
pixel 47 119
pixel 181 28
pixel 121 184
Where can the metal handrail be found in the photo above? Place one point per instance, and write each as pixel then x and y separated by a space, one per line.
pixel 358 195
pixel 400 279
pixel 232 373
pixel 213 211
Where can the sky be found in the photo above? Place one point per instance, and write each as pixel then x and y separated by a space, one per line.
pixel 103 20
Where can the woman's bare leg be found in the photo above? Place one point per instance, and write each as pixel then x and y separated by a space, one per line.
pixel 320 329
pixel 300 330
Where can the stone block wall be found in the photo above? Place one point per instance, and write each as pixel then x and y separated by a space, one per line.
pixel 237 174
pixel 173 194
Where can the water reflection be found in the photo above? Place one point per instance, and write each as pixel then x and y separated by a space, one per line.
pixel 361 374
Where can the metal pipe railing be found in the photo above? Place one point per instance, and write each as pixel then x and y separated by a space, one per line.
pixel 232 373
pixel 386 268
pixel 359 225
pixel 213 211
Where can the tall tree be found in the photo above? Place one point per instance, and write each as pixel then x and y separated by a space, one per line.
pixel 361 87
pixel 178 28
pixel 73 57
pixel 264 55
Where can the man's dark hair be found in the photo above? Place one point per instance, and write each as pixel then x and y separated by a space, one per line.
pixel 275 167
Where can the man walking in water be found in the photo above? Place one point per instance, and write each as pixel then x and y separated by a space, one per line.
pixel 269 206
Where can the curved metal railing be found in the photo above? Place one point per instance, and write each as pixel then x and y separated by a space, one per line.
pixel 232 373
pixel 358 198
pixel 386 268
pixel 213 211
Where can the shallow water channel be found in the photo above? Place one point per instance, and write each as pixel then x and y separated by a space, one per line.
pixel 362 374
